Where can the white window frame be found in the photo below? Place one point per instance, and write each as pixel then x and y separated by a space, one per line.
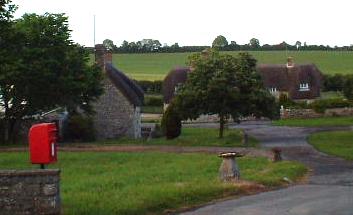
pixel 304 87
pixel 273 90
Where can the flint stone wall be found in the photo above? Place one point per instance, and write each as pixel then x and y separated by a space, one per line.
pixel 30 192
pixel 115 115
pixel 310 113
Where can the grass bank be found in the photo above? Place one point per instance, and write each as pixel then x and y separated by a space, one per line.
pixel 149 183
pixel 316 122
pixel 193 137
pixel 337 143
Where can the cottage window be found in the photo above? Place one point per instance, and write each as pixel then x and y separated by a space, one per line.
pixel 304 87
pixel 273 90
pixel 177 87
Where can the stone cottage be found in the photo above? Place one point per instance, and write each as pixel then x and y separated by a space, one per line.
pixel 118 110
pixel 297 81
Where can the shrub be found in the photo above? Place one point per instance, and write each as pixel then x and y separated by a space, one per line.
pixel 333 82
pixel 153 100
pixel 79 128
pixel 171 122
pixel 321 105
pixel 348 87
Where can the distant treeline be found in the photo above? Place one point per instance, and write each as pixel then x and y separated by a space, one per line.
pixel 220 42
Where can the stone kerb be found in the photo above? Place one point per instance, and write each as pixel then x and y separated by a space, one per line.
pixel 30 192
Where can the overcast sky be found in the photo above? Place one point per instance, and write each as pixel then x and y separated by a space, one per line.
pixel 198 22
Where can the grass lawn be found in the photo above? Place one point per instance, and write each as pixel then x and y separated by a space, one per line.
pixel 152 109
pixel 154 66
pixel 317 122
pixel 337 143
pixel 148 183
pixel 192 137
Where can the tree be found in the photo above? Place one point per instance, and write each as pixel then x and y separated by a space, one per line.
pixel 254 43
pixel 109 44
pixel 348 87
pixel 49 71
pixel 298 44
pixel 219 42
pixel 224 85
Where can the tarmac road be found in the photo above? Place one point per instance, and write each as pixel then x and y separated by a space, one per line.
pixel 328 192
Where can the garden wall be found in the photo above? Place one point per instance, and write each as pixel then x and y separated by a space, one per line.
pixel 30 192
pixel 310 113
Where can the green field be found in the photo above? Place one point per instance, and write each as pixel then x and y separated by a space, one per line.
pixel 156 65
pixel 336 143
pixel 149 183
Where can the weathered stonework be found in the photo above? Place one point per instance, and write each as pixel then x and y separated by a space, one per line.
pixel 115 115
pixel 118 109
pixel 310 113
pixel 30 192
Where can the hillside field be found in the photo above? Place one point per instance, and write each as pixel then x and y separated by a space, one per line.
pixel 154 66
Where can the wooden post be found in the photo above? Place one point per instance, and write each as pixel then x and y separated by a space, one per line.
pixel 276 154
pixel 229 170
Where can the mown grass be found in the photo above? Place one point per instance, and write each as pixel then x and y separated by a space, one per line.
pixel 337 143
pixel 148 183
pixel 316 122
pixel 193 137
pixel 154 66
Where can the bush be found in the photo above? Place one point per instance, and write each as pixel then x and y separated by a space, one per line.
pixel 321 105
pixel 171 122
pixel 153 100
pixel 79 128
pixel 288 103
pixel 348 87
pixel 151 87
pixel 333 82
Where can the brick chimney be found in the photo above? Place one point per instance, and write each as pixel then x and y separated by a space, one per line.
pixel 290 62
pixel 102 55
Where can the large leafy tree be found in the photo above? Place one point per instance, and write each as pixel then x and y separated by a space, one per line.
pixel 46 71
pixel 219 42
pixel 224 85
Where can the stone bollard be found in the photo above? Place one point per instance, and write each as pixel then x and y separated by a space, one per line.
pixel 276 154
pixel 229 170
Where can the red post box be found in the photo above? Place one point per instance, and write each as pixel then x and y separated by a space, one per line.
pixel 42 143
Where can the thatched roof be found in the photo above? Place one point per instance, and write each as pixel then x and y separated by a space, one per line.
pixel 288 79
pixel 128 88
pixel 175 76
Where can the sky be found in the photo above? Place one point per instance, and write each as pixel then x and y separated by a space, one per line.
pixel 198 22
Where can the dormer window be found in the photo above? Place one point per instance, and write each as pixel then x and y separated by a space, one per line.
pixel 304 87
pixel 273 90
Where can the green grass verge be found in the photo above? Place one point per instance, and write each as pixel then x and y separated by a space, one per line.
pixel 192 137
pixel 154 66
pixel 316 122
pixel 148 183
pixel 337 143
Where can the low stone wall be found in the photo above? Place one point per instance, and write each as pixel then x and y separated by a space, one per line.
pixel 30 192
pixel 310 113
